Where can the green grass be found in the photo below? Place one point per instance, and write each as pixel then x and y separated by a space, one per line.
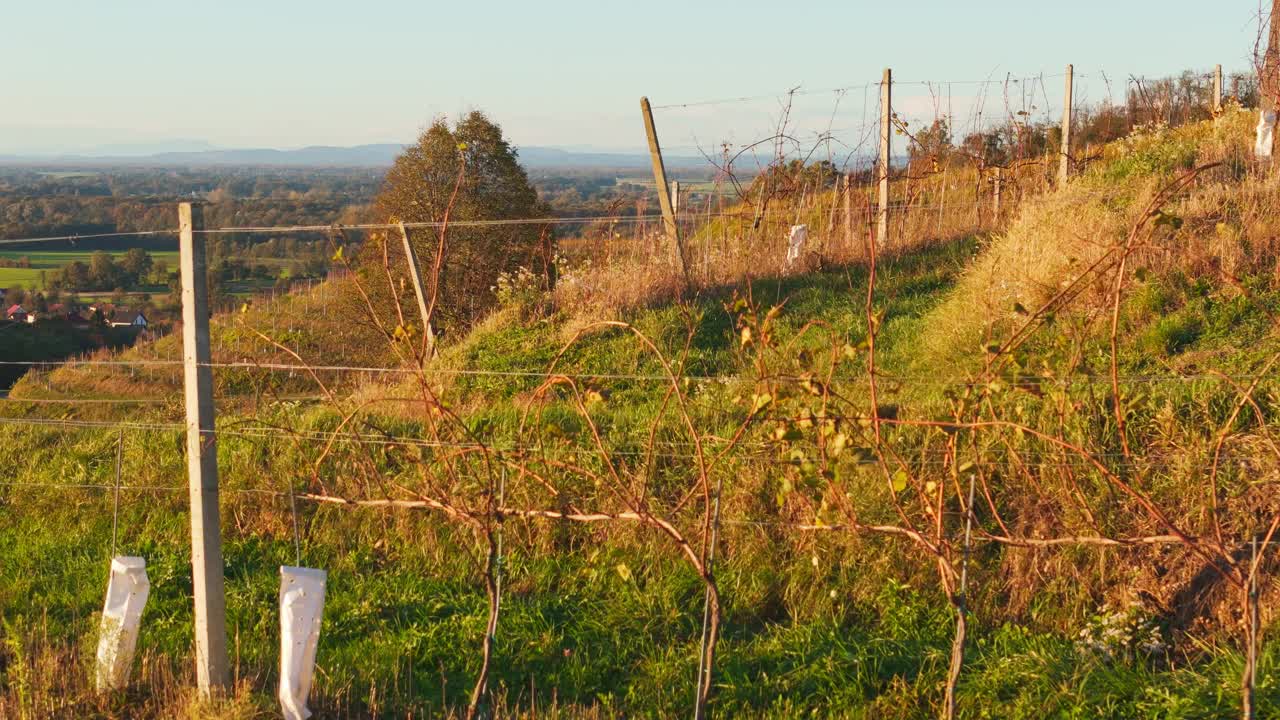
pixel 404 615
pixel 58 258
pixel 28 278
pixel 48 262
pixel 603 621
pixel 810 630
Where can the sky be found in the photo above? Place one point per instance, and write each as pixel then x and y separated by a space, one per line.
pixel 277 73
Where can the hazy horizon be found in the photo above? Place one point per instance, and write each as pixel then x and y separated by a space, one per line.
pixel 256 75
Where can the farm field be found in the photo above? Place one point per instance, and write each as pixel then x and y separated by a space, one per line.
pixel 50 261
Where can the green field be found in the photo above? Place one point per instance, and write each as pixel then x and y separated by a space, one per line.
pixel 50 261
pixel 19 276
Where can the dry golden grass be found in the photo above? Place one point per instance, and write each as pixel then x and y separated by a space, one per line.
pixel 1058 236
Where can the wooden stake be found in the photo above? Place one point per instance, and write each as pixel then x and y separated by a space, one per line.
pixel 1217 89
pixel 411 257
pixel 886 135
pixel 995 193
pixel 660 181
pixel 848 210
pixel 942 199
pixel 1249 680
pixel 1269 77
pixel 1064 166
pixel 977 198
pixel 212 667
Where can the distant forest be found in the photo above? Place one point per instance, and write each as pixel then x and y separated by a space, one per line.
pixel 40 201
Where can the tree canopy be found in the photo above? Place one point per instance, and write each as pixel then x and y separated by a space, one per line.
pixel 467 172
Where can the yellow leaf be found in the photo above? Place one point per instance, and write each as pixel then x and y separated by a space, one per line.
pixel 837 444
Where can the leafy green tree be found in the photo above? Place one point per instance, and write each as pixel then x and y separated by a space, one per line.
pixel 137 264
pixel 932 143
pixel 473 158
pixel 159 274
pixel 73 276
pixel 103 271
pixel 796 177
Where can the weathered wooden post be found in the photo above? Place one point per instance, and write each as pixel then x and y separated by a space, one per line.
pixel 675 198
pixel 942 199
pixel 848 210
pixel 886 135
pixel 1217 89
pixel 411 257
pixel 660 182
pixel 1064 163
pixel 1269 88
pixel 977 197
pixel 212 667
pixel 997 187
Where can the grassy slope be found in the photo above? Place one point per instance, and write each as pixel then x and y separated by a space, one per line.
pixel 829 626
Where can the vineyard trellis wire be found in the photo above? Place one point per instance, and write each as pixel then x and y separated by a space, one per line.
pixel 490 509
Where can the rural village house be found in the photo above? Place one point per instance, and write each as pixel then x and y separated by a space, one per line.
pixel 59 312
pixel 119 317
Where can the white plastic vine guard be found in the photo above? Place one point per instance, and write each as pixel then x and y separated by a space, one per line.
pixel 127 592
pixel 795 244
pixel 1266 133
pixel 301 610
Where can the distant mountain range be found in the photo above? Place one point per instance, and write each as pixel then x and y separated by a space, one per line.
pixel 376 155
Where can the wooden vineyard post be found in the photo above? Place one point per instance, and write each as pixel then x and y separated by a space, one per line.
pixel 1064 162
pixel 996 192
pixel 1217 89
pixel 886 135
pixel 212 667
pixel 415 274
pixel 663 187
pixel 848 211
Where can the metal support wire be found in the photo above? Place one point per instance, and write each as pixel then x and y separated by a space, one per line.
pixel 497 574
pixel 968 535
pixel 1253 619
pixel 704 668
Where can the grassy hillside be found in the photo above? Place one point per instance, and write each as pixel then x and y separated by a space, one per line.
pixel 991 350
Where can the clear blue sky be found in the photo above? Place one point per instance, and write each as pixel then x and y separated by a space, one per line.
pixel 277 73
